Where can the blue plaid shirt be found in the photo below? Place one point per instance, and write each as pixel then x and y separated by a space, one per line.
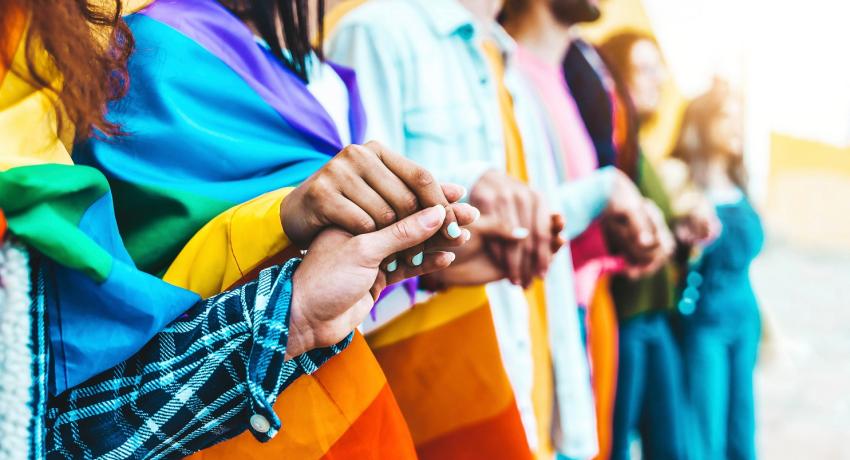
pixel 213 373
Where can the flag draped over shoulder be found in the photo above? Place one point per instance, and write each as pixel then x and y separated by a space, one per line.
pixel 215 120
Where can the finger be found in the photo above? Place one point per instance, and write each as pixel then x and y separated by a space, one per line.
pixel 421 182
pixel 411 231
pixel 495 227
pixel 453 192
pixel 432 262
pixel 543 244
pixel 466 215
pixel 513 251
pixel 360 193
pixel 527 205
pixel 393 190
pixel 348 216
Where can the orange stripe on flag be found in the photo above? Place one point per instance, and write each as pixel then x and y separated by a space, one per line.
pixel 478 442
pixel 376 434
pixel 317 411
pixel 451 377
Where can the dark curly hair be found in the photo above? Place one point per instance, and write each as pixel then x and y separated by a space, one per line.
pixel 87 48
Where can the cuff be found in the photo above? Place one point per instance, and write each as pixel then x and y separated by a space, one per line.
pixel 268 372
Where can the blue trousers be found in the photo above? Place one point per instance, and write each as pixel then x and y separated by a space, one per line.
pixel 650 392
pixel 719 361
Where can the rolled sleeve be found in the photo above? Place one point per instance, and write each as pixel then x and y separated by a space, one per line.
pixel 583 200
pixel 214 372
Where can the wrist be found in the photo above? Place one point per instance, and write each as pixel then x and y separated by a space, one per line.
pixel 301 337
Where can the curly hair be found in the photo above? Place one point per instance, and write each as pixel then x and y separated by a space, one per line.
pixel 86 48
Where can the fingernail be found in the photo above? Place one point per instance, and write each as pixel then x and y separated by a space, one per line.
pixel 392 266
pixel 520 233
pixel 432 217
pixel 417 259
pixel 477 214
pixel 462 193
pixel 645 238
pixel 467 235
pixel 451 256
pixel 454 230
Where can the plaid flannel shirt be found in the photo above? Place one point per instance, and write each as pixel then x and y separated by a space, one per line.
pixel 213 373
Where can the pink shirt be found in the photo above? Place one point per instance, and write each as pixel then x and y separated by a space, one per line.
pixel 578 157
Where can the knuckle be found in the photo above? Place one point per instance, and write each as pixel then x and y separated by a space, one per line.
pixel 365 225
pixel 423 178
pixel 387 217
pixel 409 203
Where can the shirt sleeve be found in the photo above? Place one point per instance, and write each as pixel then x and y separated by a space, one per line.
pixel 583 200
pixel 206 377
pixel 231 246
pixel 381 77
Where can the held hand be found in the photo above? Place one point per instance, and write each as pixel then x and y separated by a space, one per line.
pixel 629 229
pixel 474 265
pixel 367 188
pixel 339 279
pixel 524 212
pixel 662 252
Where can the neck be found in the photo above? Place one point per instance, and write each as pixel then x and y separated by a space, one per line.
pixel 540 33
pixel 484 11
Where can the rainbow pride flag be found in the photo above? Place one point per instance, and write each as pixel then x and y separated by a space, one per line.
pixel 215 120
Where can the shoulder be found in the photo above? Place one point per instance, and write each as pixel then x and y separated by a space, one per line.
pixel 385 16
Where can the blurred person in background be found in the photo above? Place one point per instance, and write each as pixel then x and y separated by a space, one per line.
pixel 649 398
pixel 720 313
pixel 542 29
pixel 94 307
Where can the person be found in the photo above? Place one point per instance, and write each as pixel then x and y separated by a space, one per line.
pixel 650 398
pixel 466 98
pixel 433 92
pixel 255 345
pixel 720 315
pixel 542 30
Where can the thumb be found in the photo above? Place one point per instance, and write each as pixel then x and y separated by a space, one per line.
pixel 401 235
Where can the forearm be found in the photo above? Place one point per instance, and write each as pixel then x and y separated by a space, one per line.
pixel 211 373
pixel 583 200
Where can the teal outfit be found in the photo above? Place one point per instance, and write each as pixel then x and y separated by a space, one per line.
pixel 650 399
pixel 720 338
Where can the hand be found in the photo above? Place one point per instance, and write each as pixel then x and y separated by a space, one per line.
pixel 339 279
pixel 629 230
pixel 662 251
pixel 367 188
pixel 698 226
pixel 473 265
pixel 522 211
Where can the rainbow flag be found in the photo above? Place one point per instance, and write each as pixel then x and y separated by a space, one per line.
pixel 215 120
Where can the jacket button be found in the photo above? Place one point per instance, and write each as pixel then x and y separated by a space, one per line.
pixel 260 423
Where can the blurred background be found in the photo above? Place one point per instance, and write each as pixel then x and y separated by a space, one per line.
pixel 785 58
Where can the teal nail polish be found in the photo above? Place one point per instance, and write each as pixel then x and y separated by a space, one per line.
pixel 392 266
pixel 454 230
pixel 417 259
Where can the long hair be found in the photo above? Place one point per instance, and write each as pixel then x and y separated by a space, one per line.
pixel 75 51
pixel 284 24
pixel 693 145
pixel 616 52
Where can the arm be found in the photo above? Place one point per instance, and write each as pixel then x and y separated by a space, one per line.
pixel 227 359
pixel 583 201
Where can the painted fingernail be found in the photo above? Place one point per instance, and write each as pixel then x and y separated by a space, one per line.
pixel 520 233
pixel 645 238
pixel 392 266
pixel 417 259
pixel 467 235
pixel 454 230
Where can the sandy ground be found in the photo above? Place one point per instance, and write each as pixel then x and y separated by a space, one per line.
pixel 803 380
